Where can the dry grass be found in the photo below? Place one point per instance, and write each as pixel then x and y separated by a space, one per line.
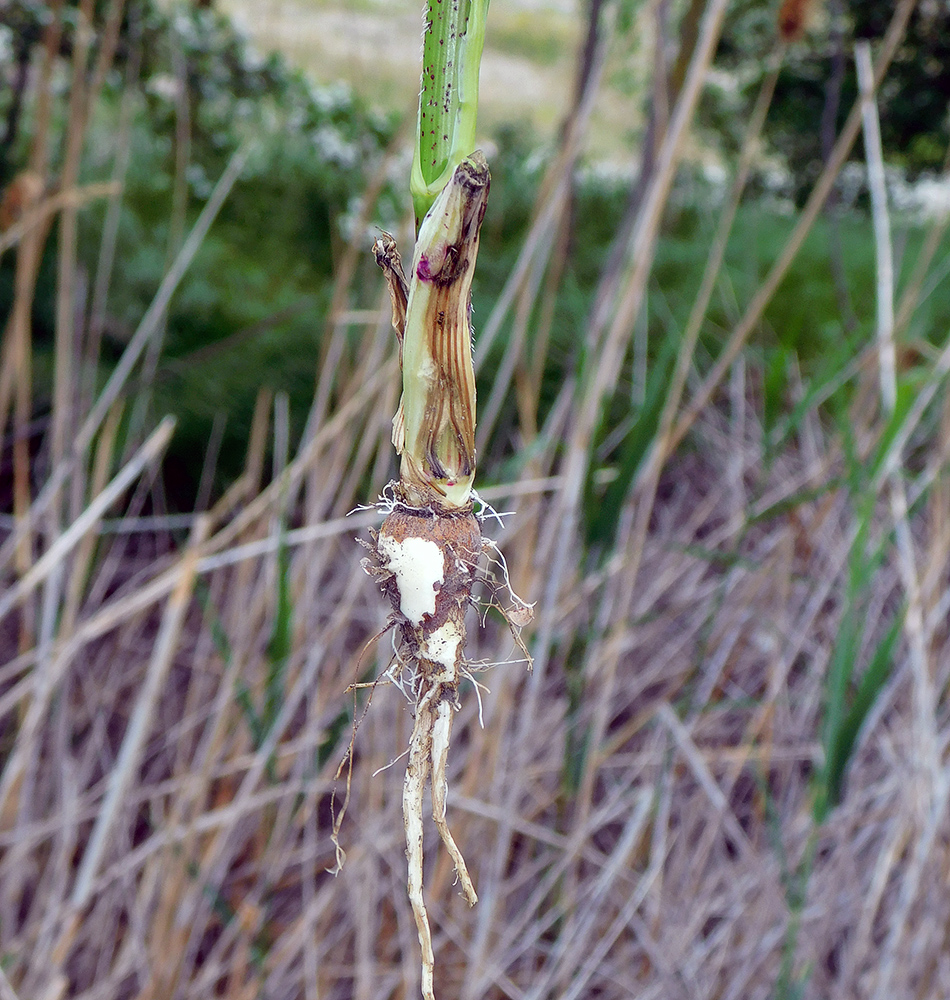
pixel 638 815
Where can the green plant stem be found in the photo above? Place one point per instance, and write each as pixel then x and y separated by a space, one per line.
pixel 448 101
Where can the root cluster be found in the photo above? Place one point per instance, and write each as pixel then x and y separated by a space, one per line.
pixel 426 563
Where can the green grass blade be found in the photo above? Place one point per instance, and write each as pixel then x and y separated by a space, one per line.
pixel 602 512
pixel 870 686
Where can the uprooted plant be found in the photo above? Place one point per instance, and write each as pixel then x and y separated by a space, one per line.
pixel 427 552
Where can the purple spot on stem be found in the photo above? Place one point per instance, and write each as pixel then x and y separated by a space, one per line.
pixel 422 271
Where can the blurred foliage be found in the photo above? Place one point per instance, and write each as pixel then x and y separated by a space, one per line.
pixel 540 40
pixel 817 85
pixel 252 309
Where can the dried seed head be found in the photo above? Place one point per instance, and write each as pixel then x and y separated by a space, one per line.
pixel 794 17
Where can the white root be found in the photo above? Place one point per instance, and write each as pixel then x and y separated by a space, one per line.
pixel 429 748
pixel 439 662
pixel 441 733
pixel 426 564
pixel 521 612
pixel 417 771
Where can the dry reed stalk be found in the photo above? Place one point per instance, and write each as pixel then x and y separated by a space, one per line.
pixel 39 207
pixel 102 461
pixel 114 386
pixel 550 216
pixel 18 331
pixel 64 413
pixel 610 342
pixel 110 227
pixel 63 403
pixel 633 540
pixel 816 200
pixel 607 343
pixel 929 787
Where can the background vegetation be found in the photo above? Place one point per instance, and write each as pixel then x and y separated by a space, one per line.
pixel 726 775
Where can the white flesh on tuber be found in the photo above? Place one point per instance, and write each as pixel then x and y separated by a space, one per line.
pixel 419 568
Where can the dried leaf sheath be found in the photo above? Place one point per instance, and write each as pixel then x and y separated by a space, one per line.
pixel 387 257
pixel 437 443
